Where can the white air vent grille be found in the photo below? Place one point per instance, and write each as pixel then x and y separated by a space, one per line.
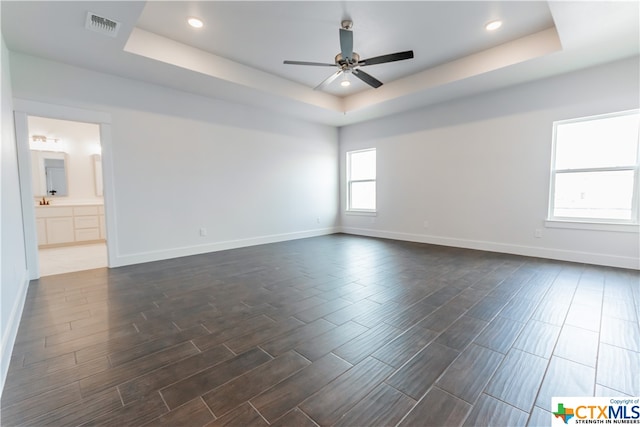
pixel 102 25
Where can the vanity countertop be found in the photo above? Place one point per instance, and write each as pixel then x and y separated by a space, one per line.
pixel 54 203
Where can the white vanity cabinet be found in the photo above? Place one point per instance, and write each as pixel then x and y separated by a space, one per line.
pixel 68 225
pixel 59 230
pixel 101 223
pixel 86 223
pixel 41 231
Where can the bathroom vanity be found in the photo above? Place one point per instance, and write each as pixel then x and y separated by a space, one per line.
pixel 63 225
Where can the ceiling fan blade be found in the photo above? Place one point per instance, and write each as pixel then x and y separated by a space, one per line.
pixel 322 64
pixel 367 78
pixel 346 44
pixel 398 56
pixel 328 80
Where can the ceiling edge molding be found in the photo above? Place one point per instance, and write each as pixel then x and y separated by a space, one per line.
pixel 517 51
pixel 153 46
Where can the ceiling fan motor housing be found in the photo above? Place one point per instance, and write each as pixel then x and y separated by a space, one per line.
pixel 355 58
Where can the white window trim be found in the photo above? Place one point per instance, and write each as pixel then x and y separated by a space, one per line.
pixel 349 210
pixel 571 223
pixel 361 213
pixel 602 224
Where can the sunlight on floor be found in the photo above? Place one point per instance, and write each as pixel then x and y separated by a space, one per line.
pixel 72 258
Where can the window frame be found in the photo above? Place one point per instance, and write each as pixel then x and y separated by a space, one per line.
pixel 350 181
pixel 610 224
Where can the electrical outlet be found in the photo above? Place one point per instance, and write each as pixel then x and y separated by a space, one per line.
pixel 425 224
pixel 538 233
pixel 318 220
pixel 203 232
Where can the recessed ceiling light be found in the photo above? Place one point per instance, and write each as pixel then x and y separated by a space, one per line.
pixel 493 25
pixel 195 22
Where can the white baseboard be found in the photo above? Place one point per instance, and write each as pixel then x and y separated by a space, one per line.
pixel 11 329
pixel 531 251
pixel 122 260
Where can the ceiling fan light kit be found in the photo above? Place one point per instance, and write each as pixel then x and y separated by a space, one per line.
pixel 345 80
pixel 349 61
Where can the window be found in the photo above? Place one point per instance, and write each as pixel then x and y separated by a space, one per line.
pixel 594 173
pixel 361 180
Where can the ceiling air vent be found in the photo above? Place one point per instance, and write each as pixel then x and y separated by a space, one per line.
pixel 102 25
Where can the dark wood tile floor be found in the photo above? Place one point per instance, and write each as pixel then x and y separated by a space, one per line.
pixel 335 330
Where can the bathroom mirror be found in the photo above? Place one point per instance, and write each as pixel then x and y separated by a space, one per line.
pixel 49 173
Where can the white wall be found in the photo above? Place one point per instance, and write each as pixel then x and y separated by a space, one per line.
pixel 182 162
pixel 477 169
pixel 13 267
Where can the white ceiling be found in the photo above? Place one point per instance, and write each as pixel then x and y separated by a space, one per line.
pixel 238 54
pixel 263 34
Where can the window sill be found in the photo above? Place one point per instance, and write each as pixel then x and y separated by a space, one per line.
pixel 597 226
pixel 361 213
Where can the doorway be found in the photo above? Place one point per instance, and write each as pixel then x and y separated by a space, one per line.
pixel 66 180
pixel 73 224
pixel 27 108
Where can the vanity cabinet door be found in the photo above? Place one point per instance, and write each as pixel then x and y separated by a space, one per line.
pixel 41 230
pixel 103 230
pixel 60 230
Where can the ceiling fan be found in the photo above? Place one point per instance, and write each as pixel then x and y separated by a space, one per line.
pixel 349 61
